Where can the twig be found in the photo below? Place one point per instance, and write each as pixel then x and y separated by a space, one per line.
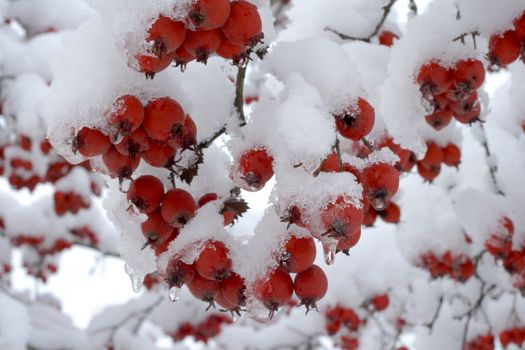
pixel 386 10
pixel 492 168
pixel 430 325
pixel 239 93
pixel 412 6
pixel 368 144
pixel 338 152
pixel 207 142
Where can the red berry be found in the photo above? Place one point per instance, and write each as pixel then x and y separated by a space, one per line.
pixel 206 198
pixel 255 169
pixel 310 286
pixel 299 254
pixel 380 302
pixel 178 273
pixel 155 229
pixel 209 14
pixel 146 193
pixel 118 165
pixel 25 143
pixel 344 244
pixel 434 79
pixel 45 147
pixel 380 182
pixel 519 25
pixel 341 218
pixel 275 289
pixel 370 216
pixel 233 289
pixel 182 57
pixel 232 51
pixel 387 38
pixel 471 116
pixel 390 214
pixel 91 143
pixel 126 116
pixel 164 119
pixel 244 25
pixel 356 121
pixel 504 48
pixel 451 155
pixel 135 144
pixel 428 173
pixel 469 75
pixel 213 262
pixel 151 65
pixel 187 137
pixel 439 119
pixel 159 155
pixel 466 104
pixel 433 156
pixel 203 289
pixel 178 207
pixel 225 303
pixel 167 35
pixel 202 44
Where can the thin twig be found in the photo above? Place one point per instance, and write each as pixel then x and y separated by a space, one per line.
pixel 206 143
pixel 239 93
pixel 386 10
pixel 492 168
pixel 368 144
pixel 430 325
pixel 338 152
pixel 412 6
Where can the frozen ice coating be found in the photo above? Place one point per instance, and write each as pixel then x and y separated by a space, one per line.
pixel 327 68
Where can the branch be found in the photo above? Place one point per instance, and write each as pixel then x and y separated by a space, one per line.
pixel 492 168
pixel 386 10
pixel 412 6
pixel 338 152
pixel 368 144
pixel 207 142
pixel 239 93
pixel 430 325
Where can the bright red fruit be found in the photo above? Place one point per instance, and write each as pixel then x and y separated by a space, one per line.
pixel 209 14
pixel 341 218
pixel 380 182
pixel 390 214
pixel 434 79
pixel 213 262
pixel 178 207
pixel 504 48
pixel 380 302
pixel 519 25
pixel 151 65
pixel 451 155
pixel 159 155
pixel 299 254
pixel 127 114
pixel 118 165
pixel 178 273
pixel 232 51
pixel 255 169
pixel 356 121
pixel 470 116
pixel 202 44
pixel 310 286
pixel 135 144
pixel 439 119
pixel 274 290
pixel 164 119
pixel 90 142
pixel 387 38
pixel 203 289
pixel 187 137
pixel 146 193
pixel 344 244
pixel 469 75
pixel 167 35
pixel 183 57
pixel 206 198
pixel 155 229
pixel 244 25
pixel 233 289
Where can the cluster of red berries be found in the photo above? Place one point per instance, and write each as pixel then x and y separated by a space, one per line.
pixel 481 342
pixel 499 245
pixel 134 132
pixel 344 322
pixel 84 234
pixel 69 202
pixel 514 336
pixel 390 214
pixel 203 331
pixel 229 29
pixel 430 166
pixel 507 47
pixel 458 267
pixel 451 92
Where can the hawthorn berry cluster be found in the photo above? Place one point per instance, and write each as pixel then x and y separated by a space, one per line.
pixel 507 47
pixel 228 29
pixel 459 267
pixel 430 166
pixel 451 92
pixel 203 331
pixel 481 342
pixel 343 323
pixel 154 132
pixel 514 336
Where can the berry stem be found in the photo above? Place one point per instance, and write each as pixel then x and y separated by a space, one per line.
pixel 239 93
pixel 412 6
pixel 368 144
pixel 386 10
pixel 338 151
